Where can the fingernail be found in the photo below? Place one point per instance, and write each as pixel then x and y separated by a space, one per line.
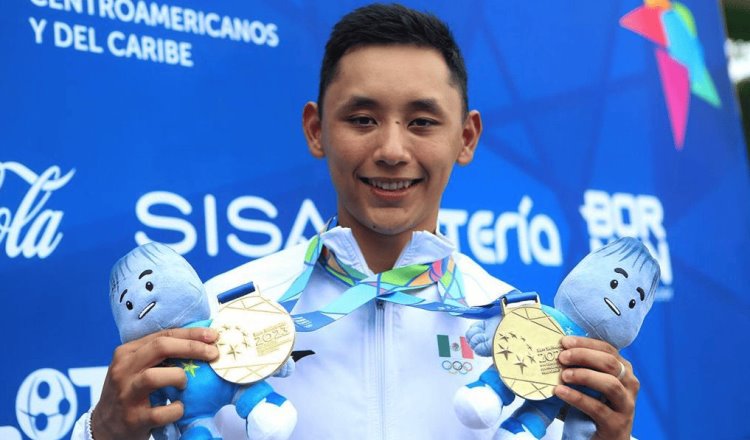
pixel 213 351
pixel 564 356
pixel 210 335
pixel 561 390
pixel 567 375
pixel 568 342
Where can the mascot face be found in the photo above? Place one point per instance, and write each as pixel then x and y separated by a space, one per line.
pixel 610 291
pixel 154 288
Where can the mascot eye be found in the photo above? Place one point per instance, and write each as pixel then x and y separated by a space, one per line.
pixel 643 294
pixel 613 284
pixel 631 304
pixel 149 286
pixel 129 305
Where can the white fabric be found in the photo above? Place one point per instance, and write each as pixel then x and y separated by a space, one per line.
pixel 376 374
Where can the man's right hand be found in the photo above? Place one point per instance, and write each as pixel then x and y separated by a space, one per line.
pixel 124 410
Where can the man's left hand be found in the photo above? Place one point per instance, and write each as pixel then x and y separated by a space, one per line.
pixel 598 365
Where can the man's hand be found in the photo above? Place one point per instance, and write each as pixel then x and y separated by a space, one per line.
pixel 597 365
pixel 124 410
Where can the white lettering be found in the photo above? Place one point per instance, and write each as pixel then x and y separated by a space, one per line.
pixel 450 221
pixel 212 230
pixel 107 9
pixel 42 236
pixel 112 46
pixel 258 226
pixel 148 48
pixel 38 27
pixel 142 15
pixel 272 39
pixel 626 215
pixel 210 29
pixel 176 18
pixel 160 15
pixel 537 236
pixel 63 34
pixel 480 236
pixel 125 10
pixel 542 225
pixel 308 213
pixel 307 218
pixel 143 212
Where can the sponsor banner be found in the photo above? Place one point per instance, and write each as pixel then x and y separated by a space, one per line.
pixel 126 121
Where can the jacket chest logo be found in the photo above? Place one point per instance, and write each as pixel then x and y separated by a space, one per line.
pixel 454 354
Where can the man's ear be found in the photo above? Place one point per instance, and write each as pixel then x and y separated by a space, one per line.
pixel 311 126
pixel 470 137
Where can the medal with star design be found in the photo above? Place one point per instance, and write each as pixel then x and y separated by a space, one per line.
pixel 256 337
pixel 525 349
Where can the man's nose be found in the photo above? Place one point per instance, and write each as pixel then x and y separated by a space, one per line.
pixel 393 148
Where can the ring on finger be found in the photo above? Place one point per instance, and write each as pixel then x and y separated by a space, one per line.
pixel 623 370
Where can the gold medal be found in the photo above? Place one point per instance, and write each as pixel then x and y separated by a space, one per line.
pixel 256 337
pixel 525 350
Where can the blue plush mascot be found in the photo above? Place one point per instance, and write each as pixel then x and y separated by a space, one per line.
pixel 153 288
pixel 607 295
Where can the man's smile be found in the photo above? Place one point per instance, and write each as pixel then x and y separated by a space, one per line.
pixel 390 184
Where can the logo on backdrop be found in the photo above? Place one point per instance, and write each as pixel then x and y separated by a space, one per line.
pixel 46 402
pixel 179 20
pixel 455 354
pixel 246 215
pixel 489 235
pixel 611 216
pixel 679 56
pixel 28 228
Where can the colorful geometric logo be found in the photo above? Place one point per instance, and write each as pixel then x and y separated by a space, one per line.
pixel 679 56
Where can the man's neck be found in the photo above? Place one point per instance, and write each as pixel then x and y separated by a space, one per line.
pixel 380 250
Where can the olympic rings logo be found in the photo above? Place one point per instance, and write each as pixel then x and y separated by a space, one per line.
pixel 457 367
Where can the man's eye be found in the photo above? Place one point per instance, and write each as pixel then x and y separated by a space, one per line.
pixel 149 286
pixel 362 120
pixel 422 122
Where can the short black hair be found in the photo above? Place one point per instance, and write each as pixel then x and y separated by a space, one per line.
pixel 391 24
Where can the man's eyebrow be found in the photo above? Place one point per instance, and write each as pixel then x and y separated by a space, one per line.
pixel 359 102
pixel 149 272
pixel 621 272
pixel 123 294
pixel 426 104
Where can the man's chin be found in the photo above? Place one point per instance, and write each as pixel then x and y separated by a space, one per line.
pixel 390 225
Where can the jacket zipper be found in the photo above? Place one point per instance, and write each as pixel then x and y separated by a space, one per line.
pixel 380 356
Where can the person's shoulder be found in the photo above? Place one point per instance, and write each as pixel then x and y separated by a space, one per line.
pixel 480 287
pixel 270 274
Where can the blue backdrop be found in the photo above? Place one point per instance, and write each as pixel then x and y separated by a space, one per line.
pixel 126 121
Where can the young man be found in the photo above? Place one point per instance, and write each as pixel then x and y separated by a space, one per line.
pixel 391 120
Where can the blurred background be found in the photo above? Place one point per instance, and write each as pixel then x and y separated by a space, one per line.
pixel 737 16
pixel 602 119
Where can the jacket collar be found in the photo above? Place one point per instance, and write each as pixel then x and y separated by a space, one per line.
pixel 424 247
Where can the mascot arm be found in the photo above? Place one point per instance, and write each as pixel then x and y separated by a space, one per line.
pixel 480 335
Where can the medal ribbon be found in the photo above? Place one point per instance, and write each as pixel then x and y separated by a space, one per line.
pixel 391 286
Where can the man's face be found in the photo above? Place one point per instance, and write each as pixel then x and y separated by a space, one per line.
pixel 393 126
